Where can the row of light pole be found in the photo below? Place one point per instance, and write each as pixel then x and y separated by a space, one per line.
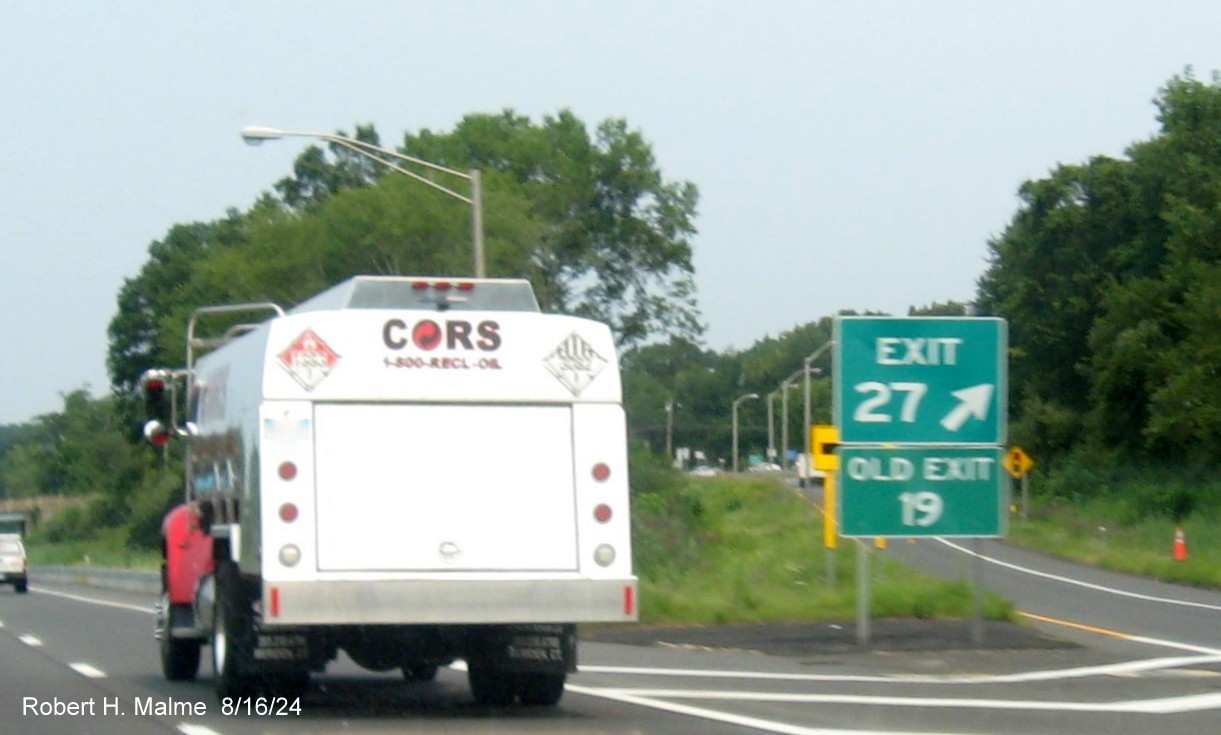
pixel 256 134
pixel 806 372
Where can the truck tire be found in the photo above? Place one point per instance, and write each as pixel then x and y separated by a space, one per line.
pixel 179 656
pixel 490 686
pixel 22 585
pixel 232 635
pixel 540 690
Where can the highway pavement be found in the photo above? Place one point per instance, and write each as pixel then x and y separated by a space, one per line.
pixel 1096 653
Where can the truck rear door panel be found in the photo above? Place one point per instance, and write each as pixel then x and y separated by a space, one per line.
pixel 444 488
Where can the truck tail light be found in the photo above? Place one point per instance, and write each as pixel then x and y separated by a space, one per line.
pixel 288 512
pixel 602 512
pixel 601 472
pixel 287 470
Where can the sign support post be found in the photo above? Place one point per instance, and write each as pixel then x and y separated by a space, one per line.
pixel 863 632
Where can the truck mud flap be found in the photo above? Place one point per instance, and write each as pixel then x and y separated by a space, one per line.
pixel 280 650
pixel 545 648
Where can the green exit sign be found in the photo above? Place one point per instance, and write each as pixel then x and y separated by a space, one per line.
pixel 913 380
pixel 922 491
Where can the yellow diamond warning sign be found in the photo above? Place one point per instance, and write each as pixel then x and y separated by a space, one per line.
pixel 1017 462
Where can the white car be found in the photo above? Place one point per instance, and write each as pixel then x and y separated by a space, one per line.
pixel 13 562
pixel 703 470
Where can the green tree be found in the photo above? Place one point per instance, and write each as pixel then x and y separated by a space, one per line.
pixel 616 239
pixel 589 219
pixel 1109 277
pixel 157 298
pixel 949 308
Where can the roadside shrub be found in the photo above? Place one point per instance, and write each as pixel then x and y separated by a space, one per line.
pixel 1172 500
pixel 70 524
pixel 651 474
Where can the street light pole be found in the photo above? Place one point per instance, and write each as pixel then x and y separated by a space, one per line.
pixel 255 134
pixel 807 420
pixel 771 427
pixel 736 402
pixel 785 387
pixel 670 430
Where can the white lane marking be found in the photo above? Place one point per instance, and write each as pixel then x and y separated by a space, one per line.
pixel 1163 706
pixel 95 601
pixel 1175 644
pixel 89 671
pixel 29 640
pixel 187 729
pixel 1077 582
pixel 1116 669
pixel 782 728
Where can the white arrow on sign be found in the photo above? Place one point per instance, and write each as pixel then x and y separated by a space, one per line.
pixel 972 401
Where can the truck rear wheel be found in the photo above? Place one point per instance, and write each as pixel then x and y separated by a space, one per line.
pixel 497 687
pixel 179 656
pixel 232 634
pixel 540 690
pixel 490 686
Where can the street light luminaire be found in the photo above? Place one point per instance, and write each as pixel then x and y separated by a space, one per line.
pixel 255 134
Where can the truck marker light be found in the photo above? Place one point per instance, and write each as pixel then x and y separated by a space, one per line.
pixel 290 555
pixel 604 555
pixel 629 599
pixel 602 512
pixel 442 285
pixel 275 602
pixel 287 471
pixel 288 512
pixel 601 472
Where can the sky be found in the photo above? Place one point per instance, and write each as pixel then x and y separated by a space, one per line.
pixel 849 155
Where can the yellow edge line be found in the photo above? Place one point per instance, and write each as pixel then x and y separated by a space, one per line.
pixel 1077 626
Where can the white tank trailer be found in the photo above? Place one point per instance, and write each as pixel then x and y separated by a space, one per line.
pixel 408 470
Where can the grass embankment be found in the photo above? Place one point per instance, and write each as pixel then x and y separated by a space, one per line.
pixel 740 549
pixel 1099 510
pixel 1105 534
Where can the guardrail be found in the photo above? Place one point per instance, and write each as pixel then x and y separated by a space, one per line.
pixel 131 580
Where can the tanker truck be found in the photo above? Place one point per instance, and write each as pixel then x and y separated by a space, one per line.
pixel 406 471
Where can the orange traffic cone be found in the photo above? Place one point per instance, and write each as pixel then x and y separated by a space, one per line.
pixel 1180 545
